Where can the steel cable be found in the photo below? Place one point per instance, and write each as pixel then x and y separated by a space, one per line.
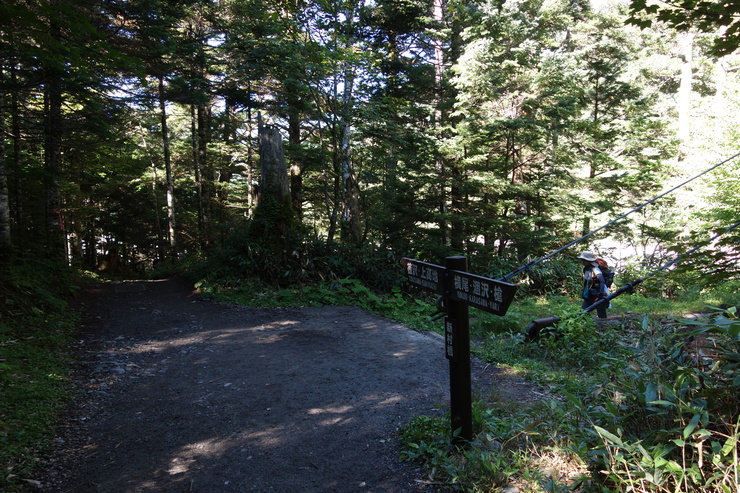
pixel 529 265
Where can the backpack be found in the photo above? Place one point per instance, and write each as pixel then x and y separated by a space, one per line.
pixel 606 272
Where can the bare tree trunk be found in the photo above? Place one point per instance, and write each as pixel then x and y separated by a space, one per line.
pixel 351 228
pixel 686 41
pixel 207 174
pixel 196 170
pixel 227 170
pixel 296 176
pixel 17 207
pixel 5 242
pixel 251 192
pixel 274 212
pixel 438 15
pixel 53 165
pixel 171 230
pixel 155 196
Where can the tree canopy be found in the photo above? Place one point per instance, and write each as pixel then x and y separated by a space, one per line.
pixel 499 130
pixel 722 18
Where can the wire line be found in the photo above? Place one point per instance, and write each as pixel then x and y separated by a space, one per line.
pixel 529 265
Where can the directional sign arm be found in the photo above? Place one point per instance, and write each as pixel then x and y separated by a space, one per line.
pixel 429 277
pixel 481 292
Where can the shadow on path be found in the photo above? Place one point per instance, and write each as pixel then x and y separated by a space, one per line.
pixel 182 394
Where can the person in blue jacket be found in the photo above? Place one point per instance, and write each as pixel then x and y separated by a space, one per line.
pixel 594 287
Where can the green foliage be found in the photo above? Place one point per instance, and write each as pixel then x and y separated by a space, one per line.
pixel 509 448
pixel 684 15
pixel 668 418
pixel 298 259
pixel 718 261
pixel 654 410
pixel 35 330
pixel 558 276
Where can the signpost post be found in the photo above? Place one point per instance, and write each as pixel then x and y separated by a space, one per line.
pixel 460 290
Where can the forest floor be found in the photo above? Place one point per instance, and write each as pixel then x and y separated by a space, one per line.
pixel 176 393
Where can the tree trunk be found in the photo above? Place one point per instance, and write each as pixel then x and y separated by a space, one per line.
pixel 230 138
pixel 171 230
pixel 686 41
pixel 438 96
pixel 251 165
pixel 17 201
pixel 5 242
pixel 296 176
pixel 351 228
pixel 53 165
pixel 155 197
pixel 207 174
pixel 274 212
pixel 595 116
pixel 196 170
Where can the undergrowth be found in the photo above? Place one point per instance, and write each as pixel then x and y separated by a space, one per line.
pixel 35 330
pixel 645 406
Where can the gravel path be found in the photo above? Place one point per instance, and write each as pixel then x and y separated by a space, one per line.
pixel 176 394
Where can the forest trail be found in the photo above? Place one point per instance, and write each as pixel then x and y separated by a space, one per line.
pixel 176 393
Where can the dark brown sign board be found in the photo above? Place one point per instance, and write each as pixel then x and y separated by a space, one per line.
pixel 480 292
pixel 459 290
pixel 429 277
pixel 487 294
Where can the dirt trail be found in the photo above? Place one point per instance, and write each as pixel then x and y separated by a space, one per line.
pixel 180 394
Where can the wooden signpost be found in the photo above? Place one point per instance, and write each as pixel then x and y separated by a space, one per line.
pixel 460 290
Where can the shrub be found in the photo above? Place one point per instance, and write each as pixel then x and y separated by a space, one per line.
pixel 35 330
pixel 670 419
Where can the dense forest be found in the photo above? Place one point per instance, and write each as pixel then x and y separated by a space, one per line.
pixel 268 134
pixel 302 148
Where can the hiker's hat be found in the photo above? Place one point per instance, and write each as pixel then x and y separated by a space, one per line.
pixel 588 256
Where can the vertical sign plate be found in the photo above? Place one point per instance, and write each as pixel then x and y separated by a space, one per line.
pixel 450 352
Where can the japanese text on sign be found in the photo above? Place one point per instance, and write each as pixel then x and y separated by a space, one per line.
pixel 427 276
pixel 491 295
pixel 481 292
pixel 449 339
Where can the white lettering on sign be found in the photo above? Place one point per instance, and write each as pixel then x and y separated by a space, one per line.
pixel 422 272
pixel 498 294
pixel 449 340
pixel 478 292
pixel 424 276
pixel 462 283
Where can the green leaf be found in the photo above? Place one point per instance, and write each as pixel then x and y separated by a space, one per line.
pixel 645 453
pixel 673 466
pixel 663 403
pixel 691 426
pixel 574 400
pixel 608 435
pixel 651 392
pixel 729 445
pixel 699 434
